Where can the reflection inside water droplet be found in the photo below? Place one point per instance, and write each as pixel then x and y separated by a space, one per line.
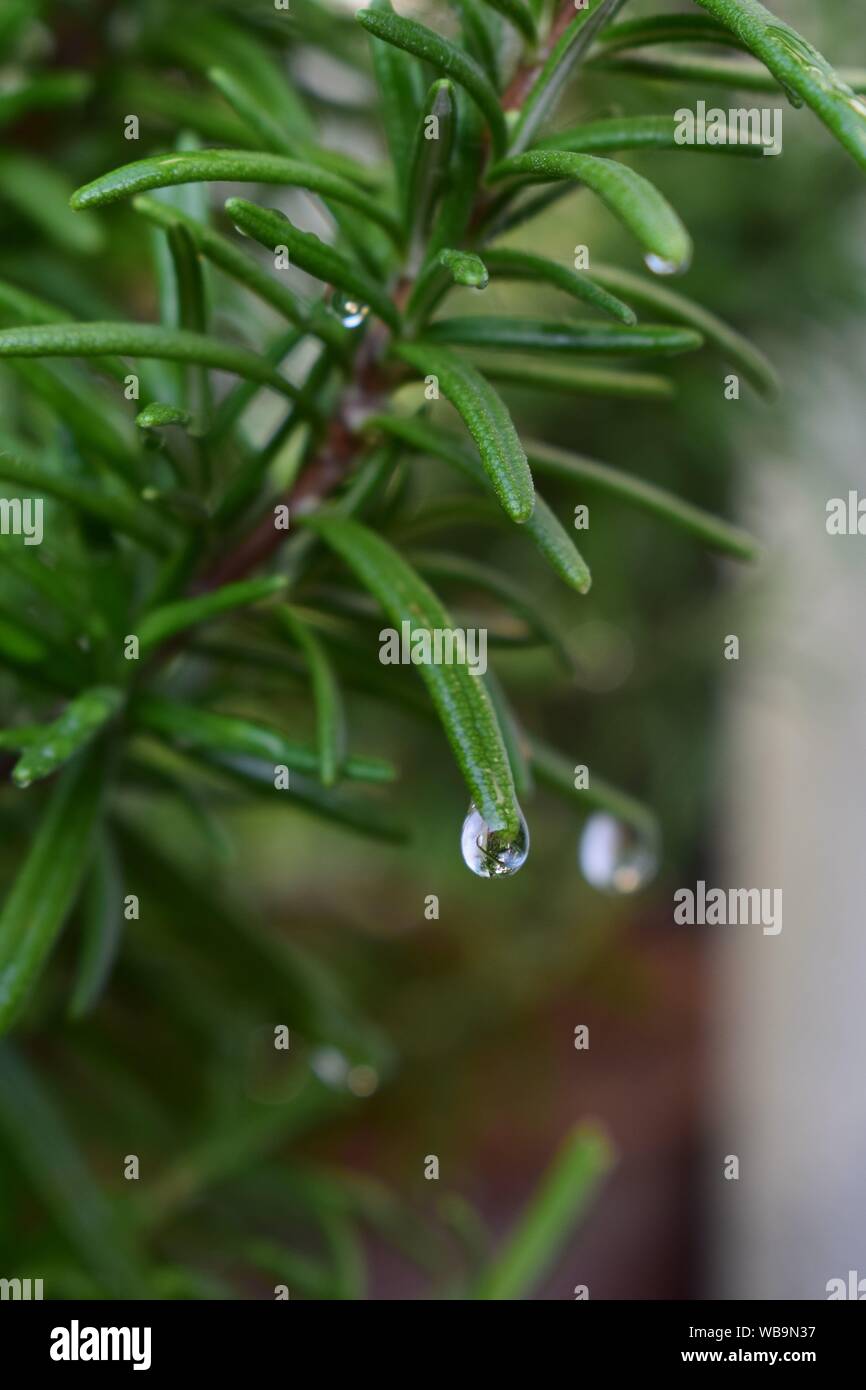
pixel 492 853
pixel 615 856
pixel 349 310
pixel 659 266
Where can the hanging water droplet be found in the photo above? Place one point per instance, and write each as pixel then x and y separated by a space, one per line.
pixel 349 310
pixel 616 856
pixel 659 266
pixel 492 853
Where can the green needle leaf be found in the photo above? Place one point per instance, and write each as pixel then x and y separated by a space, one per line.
pixel 465 267
pixel 663 28
pixel 798 67
pixel 631 198
pixel 101 929
pixel 399 81
pixel 557 772
pixel 193 727
pixel 644 133
pixel 79 723
pixel 580 381
pixel 564 56
pixel 314 256
pixel 572 335
pixel 486 419
pixel 25 472
pixel 543 528
pixel 431 157
pixel 242 268
pixel 161 623
pixel 40 194
pixel 157 415
pixel 460 698
pixel 565 1192
pixel 717 534
pixel 521 265
pixel 240 166
pixel 47 883
pixel 140 340
pixel 446 57
pixel 648 294
pixel 744 74
pixel 330 714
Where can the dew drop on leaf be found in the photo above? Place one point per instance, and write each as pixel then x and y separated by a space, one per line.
pixel 349 310
pixel 491 853
pixel 659 266
pixel 616 857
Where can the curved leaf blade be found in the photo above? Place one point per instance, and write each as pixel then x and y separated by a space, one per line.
pixel 237 166
pixel 572 335
pixel 636 202
pixel 486 419
pixel 461 700
pixel 799 67
pixel 509 264
pixel 446 57
pixel 47 884
pixel 313 255
pixel 615 133
pixel 83 718
pixel 330 713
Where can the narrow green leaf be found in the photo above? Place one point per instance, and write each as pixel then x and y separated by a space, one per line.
pixel 565 1192
pixel 33 1129
pixel 330 713
pixel 77 726
pixel 83 410
pixel 615 133
pixel 556 771
pixel 543 528
pixel 313 255
pixel 428 171
pixel 518 13
pixel 47 883
pixel 240 166
pixel 161 623
pixel 458 198
pixel 486 419
pixel 717 534
pixel 242 268
pixel 399 80
pixel 648 294
pixel 521 265
pixel 195 727
pixel 631 198
pixel 446 58
pixel 140 340
pixel 42 92
pixel 548 87
pixel 473 574
pixel 571 335
pixel 215 40
pixel 101 930
pixel 744 75
pixel 460 698
pixel 799 68
pixel 663 28
pixel 38 192
pixel 580 381
pixel 25 472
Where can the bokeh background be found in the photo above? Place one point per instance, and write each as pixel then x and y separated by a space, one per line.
pixel 704 1042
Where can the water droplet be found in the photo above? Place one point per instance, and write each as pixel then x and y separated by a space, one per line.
pixel 616 856
pixel 490 853
pixel 659 266
pixel 349 310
